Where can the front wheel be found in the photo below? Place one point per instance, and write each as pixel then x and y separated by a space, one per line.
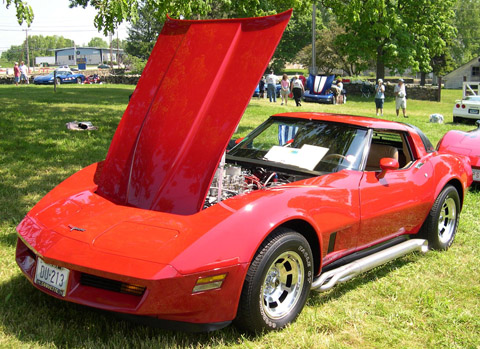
pixel 441 224
pixel 277 283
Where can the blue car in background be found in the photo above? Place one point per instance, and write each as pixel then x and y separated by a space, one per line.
pixel 63 77
pixel 256 93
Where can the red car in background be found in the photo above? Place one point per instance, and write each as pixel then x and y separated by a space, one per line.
pixel 466 144
pixel 173 229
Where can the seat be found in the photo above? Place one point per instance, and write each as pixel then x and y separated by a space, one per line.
pixel 377 152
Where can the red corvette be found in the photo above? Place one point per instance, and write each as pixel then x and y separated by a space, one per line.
pixel 171 228
pixel 466 144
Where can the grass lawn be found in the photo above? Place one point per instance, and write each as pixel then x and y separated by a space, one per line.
pixel 414 302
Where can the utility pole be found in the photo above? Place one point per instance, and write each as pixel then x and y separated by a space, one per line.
pixel 111 51
pixel 26 48
pixel 313 69
pixel 74 54
pixel 118 57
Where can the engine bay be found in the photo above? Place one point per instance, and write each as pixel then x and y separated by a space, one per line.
pixel 232 179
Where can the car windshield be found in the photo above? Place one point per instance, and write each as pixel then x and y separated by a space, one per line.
pixel 308 144
pixel 473 98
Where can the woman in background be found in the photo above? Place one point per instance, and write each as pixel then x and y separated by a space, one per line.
pixel 285 90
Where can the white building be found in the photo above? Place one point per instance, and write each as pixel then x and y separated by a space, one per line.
pixel 43 60
pixel 88 55
pixel 467 72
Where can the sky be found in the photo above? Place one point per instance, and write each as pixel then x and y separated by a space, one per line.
pixel 52 17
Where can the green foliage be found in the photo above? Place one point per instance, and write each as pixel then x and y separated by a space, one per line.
pixel 143 33
pixel 135 64
pixel 393 34
pixel 330 55
pixel 24 11
pixel 119 43
pixel 110 13
pixel 98 42
pixel 297 35
pixel 466 44
pixel 151 15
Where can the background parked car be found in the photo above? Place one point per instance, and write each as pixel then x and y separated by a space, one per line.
pixel 464 143
pixel 467 108
pixel 63 77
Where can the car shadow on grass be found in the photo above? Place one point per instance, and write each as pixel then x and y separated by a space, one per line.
pixel 34 318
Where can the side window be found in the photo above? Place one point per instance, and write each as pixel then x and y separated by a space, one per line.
pixel 388 144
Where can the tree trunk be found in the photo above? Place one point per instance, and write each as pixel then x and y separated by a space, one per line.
pixel 423 75
pixel 439 95
pixel 380 63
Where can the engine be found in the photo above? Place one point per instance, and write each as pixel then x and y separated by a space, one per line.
pixel 232 180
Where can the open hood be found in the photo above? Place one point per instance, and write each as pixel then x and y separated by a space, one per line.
pixel 192 94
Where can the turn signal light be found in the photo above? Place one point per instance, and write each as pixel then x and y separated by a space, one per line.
pixel 135 290
pixel 209 283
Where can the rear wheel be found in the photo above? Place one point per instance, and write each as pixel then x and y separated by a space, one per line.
pixel 277 283
pixel 441 224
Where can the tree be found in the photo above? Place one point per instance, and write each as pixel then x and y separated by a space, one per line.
pixel 97 42
pixel 151 15
pixel 330 56
pixel 296 36
pixel 119 43
pixel 24 11
pixel 110 13
pixel 394 34
pixel 466 44
pixel 143 33
pixel 39 45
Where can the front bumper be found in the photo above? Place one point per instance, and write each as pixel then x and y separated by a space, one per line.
pixel 168 295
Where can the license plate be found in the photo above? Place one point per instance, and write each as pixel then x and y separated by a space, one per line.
pixel 473 111
pixel 476 175
pixel 52 277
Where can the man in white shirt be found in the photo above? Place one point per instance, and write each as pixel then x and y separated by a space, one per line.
pixel 23 73
pixel 271 86
pixel 400 97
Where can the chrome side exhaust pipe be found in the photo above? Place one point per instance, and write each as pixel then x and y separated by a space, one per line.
pixel 327 280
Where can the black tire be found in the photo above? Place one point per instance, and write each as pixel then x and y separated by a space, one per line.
pixel 277 283
pixel 456 119
pixel 59 81
pixel 441 224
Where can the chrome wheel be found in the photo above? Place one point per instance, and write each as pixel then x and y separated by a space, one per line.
pixel 283 285
pixel 447 220
pixel 441 224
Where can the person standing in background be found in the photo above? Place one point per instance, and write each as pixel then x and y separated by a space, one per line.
pixel 379 96
pixel 271 86
pixel 261 88
pixel 340 91
pixel 298 89
pixel 16 73
pixel 285 88
pixel 400 98
pixel 23 73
